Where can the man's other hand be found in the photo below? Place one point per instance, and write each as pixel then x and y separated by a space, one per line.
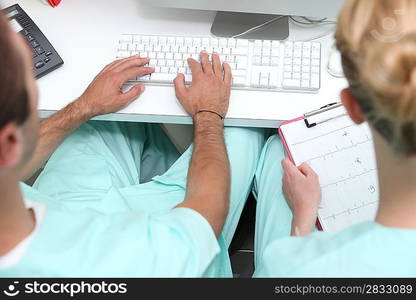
pixel 104 95
pixel 210 88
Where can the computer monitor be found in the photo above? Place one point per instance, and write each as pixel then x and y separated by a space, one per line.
pixel 237 16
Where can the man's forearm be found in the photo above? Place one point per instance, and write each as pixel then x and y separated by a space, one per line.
pixel 53 131
pixel 208 188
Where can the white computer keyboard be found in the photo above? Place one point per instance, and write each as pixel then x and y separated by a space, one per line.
pixel 256 64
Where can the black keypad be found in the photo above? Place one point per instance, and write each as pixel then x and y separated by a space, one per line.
pixel 45 58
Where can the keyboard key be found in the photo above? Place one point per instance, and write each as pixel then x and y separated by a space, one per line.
pixel 316 62
pixel 255 79
pixel 197 42
pixel 273 80
pixel 46 60
pixel 306 55
pixel 266 52
pixel 274 62
pixel 267 44
pixel 257 60
pixel 257 51
pixel 264 81
pixel 188 42
pixel 225 51
pixel 315 70
pixel 296 75
pixel 239 73
pixel 214 43
pixel 239 80
pixel 287 75
pixel 144 78
pixel 315 82
pixel 223 43
pixel 126 38
pixel 230 59
pixel 242 43
pixel 140 47
pixel 276 52
pixel 163 40
pixel 40 50
pixel 34 44
pixel 188 78
pixel 123 54
pixel 291 83
pixel 297 61
pixel 239 51
pixel 39 64
pixel 265 61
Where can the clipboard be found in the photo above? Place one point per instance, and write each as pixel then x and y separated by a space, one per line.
pixel 325 126
pixel 309 123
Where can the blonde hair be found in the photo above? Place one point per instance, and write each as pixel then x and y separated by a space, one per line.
pixel 377 41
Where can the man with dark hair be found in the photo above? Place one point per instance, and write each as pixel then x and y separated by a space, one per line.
pixel 90 213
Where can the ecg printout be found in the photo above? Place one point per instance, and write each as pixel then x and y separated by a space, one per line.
pixel 342 154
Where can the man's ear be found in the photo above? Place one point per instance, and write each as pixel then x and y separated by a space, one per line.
pixel 10 146
pixel 352 107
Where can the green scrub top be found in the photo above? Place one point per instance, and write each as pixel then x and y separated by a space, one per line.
pixel 363 250
pixel 110 192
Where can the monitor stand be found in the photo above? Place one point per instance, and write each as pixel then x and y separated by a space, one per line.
pixel 229 24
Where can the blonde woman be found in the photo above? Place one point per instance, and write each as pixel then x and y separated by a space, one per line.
pixel 377 40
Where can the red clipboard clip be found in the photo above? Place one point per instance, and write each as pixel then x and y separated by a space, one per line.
pixel 54 3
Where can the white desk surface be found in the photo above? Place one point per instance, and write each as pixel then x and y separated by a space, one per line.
pixel 85 33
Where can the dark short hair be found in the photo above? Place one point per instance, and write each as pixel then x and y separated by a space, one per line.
pixel 14 102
